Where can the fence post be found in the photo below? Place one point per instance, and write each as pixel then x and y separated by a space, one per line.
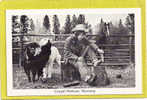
pixel 21 49
pixel 131 47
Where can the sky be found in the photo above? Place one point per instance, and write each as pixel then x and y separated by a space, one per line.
pixel 92 16
pixel 92 19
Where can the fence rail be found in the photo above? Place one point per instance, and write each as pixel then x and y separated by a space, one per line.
pixel 46 35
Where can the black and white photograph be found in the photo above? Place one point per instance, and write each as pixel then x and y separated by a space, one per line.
pixel 73 51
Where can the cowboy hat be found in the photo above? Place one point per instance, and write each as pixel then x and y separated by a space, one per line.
pixel 80 27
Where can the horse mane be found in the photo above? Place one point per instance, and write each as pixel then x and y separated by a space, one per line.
pixel 46 48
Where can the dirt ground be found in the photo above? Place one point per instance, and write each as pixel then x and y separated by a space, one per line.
pixel 127 79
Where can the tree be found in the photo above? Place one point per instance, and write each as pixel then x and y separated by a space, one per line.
pixel 74 21
pixel 111 27
pixel 67 25
pixel 88 27
pixel 101 25
pixel 130 25
pixel 56 25
pixel 102 22
pixel 81 19
pixel 120 23
pixel 15 25
pixel 121 29
pixel 130 22
pixel 46 23
pixel 24 22
pixel 32 26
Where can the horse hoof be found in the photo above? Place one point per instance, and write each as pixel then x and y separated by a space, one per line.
pixel 44 80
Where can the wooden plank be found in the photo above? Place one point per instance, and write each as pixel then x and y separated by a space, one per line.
pixel 116 61
pixel 110 54
pixel 114 35
pixel 114 45
pixel 43 35
pixel 60 47
pixel 16 48
pixel 105 45
pixel 117 53
pixel 118 50
pixel 110 64
pixel 113 57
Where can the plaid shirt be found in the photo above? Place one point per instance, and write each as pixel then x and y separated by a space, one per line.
pixel 74 48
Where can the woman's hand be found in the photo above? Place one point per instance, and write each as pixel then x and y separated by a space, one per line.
pixel 102 57
pixel 100 51
pixel 80 59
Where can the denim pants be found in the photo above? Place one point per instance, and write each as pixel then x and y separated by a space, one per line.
pixel 82 65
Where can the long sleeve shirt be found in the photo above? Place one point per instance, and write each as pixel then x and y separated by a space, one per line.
pixel 74 48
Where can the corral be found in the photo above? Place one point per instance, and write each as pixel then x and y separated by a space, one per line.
pixel 119 60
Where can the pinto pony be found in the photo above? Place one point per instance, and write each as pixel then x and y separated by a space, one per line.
pixel 35 58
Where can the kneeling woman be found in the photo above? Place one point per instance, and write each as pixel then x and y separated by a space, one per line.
pixel 76 46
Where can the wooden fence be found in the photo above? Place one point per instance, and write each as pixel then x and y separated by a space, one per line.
pixel 115 54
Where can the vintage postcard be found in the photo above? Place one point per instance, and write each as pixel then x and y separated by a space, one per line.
pixel 58 52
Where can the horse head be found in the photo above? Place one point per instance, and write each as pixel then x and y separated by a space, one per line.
pixel 45 45
pixel 103 33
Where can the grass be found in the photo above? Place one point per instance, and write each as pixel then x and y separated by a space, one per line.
pixel 127 79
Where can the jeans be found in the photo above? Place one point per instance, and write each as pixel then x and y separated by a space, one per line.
pixel 82 65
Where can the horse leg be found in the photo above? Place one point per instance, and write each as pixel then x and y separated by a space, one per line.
pixel 27 71
pixel 40 72
pixel 34 74
pixel 50 68
pixel 58 60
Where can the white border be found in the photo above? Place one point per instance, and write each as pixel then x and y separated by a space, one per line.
pixel 65 91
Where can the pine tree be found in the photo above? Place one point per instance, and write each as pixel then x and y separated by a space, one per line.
pixel 24 22
pixel 102 21
pixel 111 25
pixel 120 28
pixel 101 25
pixel 88 27
pixel 120 23
pixel 46 23
pixel 14 24
pixel 67 25
pixel 56 25
pixel 81 19
pixel 74 21
pixel 130 22
pixel 32 26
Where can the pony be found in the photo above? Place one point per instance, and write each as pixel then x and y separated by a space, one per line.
pixel 36 58
pixel 55 57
